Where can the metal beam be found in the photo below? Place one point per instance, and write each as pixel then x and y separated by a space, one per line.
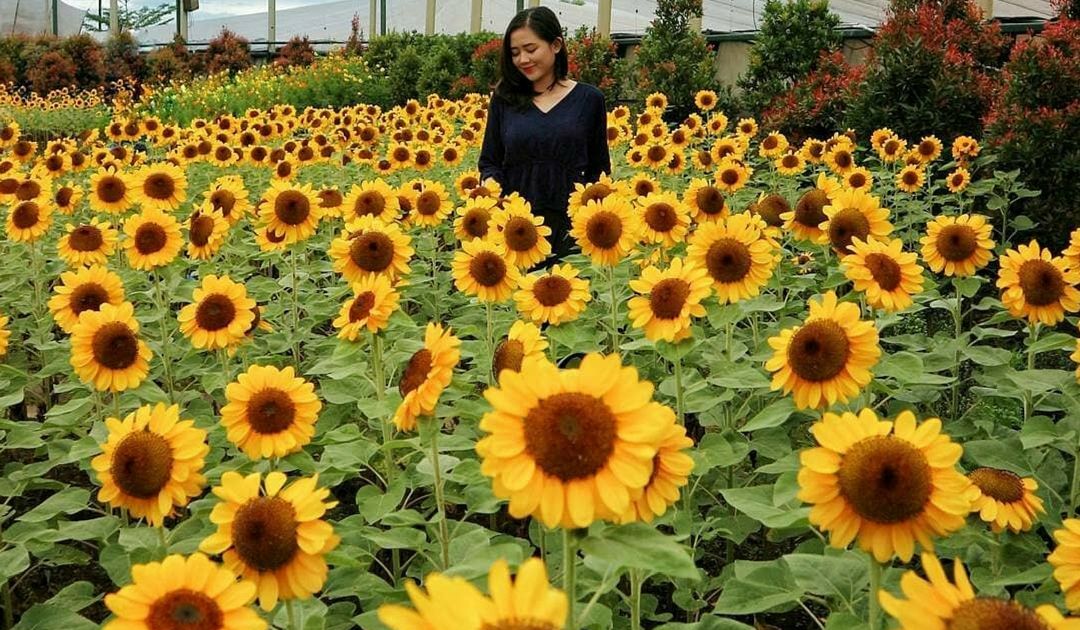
pixel 114 17
pixel 429 21
pixel 382 17
pixel 603 18
pixel 372 18
pixel 271 24
pixel 475 16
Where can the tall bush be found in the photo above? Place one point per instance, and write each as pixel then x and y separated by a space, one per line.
pixel 440 68
pixel 122 60
pixel 593 59
pixel 298 51
pixel 788 47
pixel 228 52
pixel 402 75
pixel 815 105
pixel 671 58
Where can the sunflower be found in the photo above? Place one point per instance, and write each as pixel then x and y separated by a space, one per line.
pixel 853 214
pixel 812 150
pixel 87 244
pixel 928 149
pixel 809 213
pixel 373 197
pixel 597 191
pixel 571 446
pixel 828 358
pixel 671 471
pixel 706 201
pixel 607 230
pixel 717 124
pixel 957 246
pixel 431 205
pixel 553 297
pixel 886 483
pixel 111 191
pixel 663 218
pixel 731 175
pixel 270 241
pixel 746 127
pixel 668 300
pixel 271 412
pixel 67 198
pixel 367 246
pixel 373 301
pixel 892 150
pixel 705 100
pixel 771 208
pixel 474 218
pixel 453 603
pixel 736 254
pixel 465 183
pixel 5 335
pixel 84 289
pixel 910 179
pixel 160 186
pixel 656 100
pixel 1004 499
pixel 482 269
pixel 28 221
pixel 181 592
pixel 936 602
pixel 859 178
pixel 790 164
pixel 522 234
pixel 773 145
pixel 642 185
pixel 1037 285
pixel 426 375
pixel 228 196
pixel 523 343
pixel 220 315
pixel 887 274
pixel 272 534
pixel 840 159
pixel 958 180
pixel 964 147
pixel 151 462
pixel 106 350
pixel 291 210
pixel 206 232
pixel 153 239
pixel 879 137
pixel 1066 561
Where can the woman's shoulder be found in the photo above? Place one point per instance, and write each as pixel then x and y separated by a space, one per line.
pixel 589 91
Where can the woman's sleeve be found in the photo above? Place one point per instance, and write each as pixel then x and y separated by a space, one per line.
pixel 492 151
pixel 599 157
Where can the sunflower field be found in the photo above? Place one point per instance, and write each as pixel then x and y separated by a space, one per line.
pixel 304 369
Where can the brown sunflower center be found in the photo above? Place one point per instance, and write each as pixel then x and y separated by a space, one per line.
pixel 202 226
pixel 28 189
pixel 508 356
pixel 264 533
pixel 292 207
pixel 159 186
pixel 223 200
pixel 520 234
pixel 270 410
pixel 985 613
pixel 926 148
pixel 372 251
pixel 150 238
pixel 956 242
pixel 846 225
pixel 884 269
pixel 842 159
pixel 790 161
pixel 809 209
pixel 329 198
pixel 595 192
pixel 570 435
pixel 644 187
pixel 728 260
pixel 857 180
pixel 283 168
pixel 604 229
pixel 551 290
pixel 661 217
pixel 475 222
pixel 428 203
pixel 86 238
pixel 487 268
pixel 369 202
pixel 361 306
pixel 469 183
pixel 1000 485
pixel 729 176
pixel 819 351
pixel 142 464
pixel 216 311
pixel 115 346
pixel 87 297
pixel 63 196
pixel 957 179
pixel 416 372
pixel 401 154
pixel 185 609
pixel 667 298
pixel 910 178
pixel 26 215
pixel 1041 282
pixel 885 479
pixel 656 153
pixel 770 208
pixel 770 142
pixel 709 200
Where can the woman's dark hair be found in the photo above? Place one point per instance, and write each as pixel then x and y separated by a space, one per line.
pixel 513 86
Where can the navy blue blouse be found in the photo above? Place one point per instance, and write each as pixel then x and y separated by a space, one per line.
pixel 542 155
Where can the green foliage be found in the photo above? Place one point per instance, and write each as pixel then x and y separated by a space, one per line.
pixel 671 59
pixel 788 46
pixel 594 60
pixel 440 68
pixel 131 19
pixel 403 73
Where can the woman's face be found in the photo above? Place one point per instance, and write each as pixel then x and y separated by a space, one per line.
pixel 534 57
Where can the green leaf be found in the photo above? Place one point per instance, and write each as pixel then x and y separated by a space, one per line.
pixel 830 576
pixel 1005 453
pixel 708 622
pixel 13 561
pixel 987 356
pixel 397 538
pixel 52 616
pixel 67 501
pixel 719 449
pixel 768 586
pixel 1053 341
pixel 773 415
pixel 639 546
pixel 374 504
pixel 75 596
pixel 757 503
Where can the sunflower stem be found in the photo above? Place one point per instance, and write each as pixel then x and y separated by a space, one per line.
pixel 569 576
pixel 677 369
pixel 958 321
pixel 1029 403
pixel 440 503
pixel 9 610
pixel 730 333
pixel 875 586
pixel 290 612
pixel 614 311
pixel 163 540
pixel 166 360
pixel 490 343
pixel 116 406
pixel 294 259
pixel 225 373
pixel 636 581
pixel 435 276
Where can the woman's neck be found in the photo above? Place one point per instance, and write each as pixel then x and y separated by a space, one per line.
pixel 544 83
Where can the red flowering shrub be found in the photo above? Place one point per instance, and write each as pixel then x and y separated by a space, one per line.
pixel 52 71
pixel 932 70
pixel 298 51
pixel 592 60
pixel 89 58
pixel 1035 124
pixel 462 86
pixel 228 52
pixel 485 64
pixel 815 105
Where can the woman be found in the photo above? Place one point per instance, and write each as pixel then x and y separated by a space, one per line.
pixel 544 132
